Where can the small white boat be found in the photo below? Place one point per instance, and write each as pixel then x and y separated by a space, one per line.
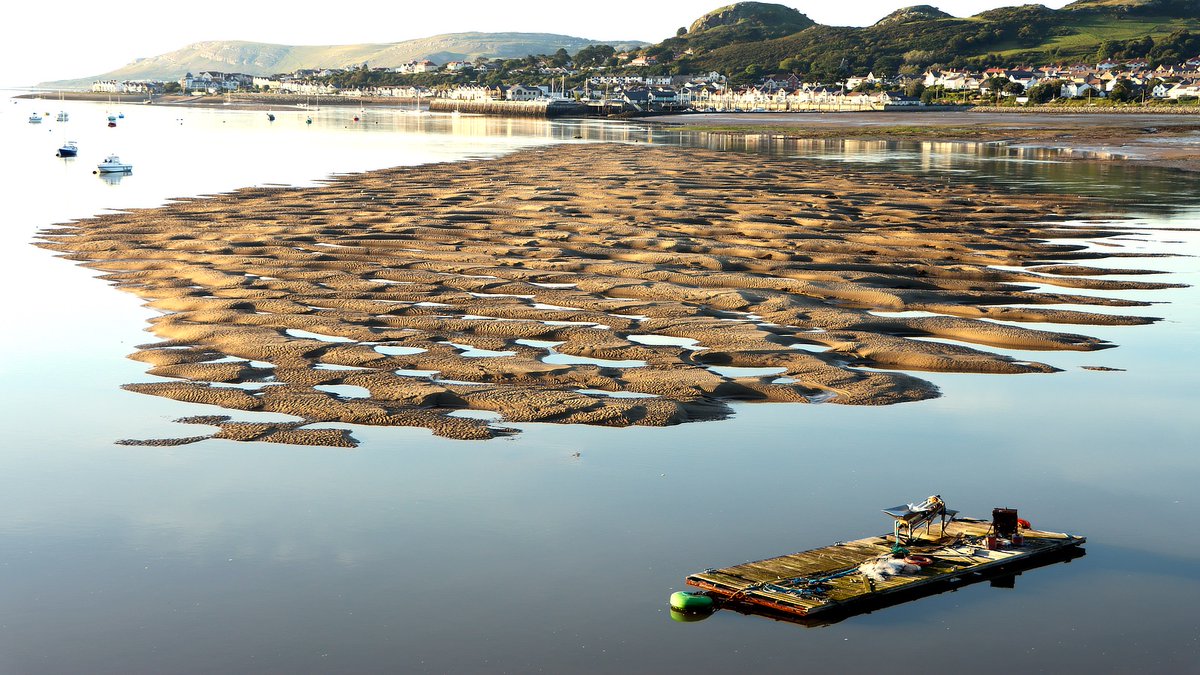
pixel 35 119
pixel 69 149
pixel 113 164
pixel 63 116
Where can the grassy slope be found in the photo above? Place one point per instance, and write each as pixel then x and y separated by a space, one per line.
pixel 1091 30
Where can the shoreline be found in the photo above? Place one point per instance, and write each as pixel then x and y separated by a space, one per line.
pixel 531 286
pixel 243 100
pixel 1167 138
pixel 1163 141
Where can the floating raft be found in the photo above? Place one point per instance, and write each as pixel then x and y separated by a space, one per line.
pixel 824 579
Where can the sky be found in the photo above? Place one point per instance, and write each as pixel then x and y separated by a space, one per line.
pixel 69 39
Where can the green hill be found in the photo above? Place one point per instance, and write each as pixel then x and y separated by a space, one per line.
pixel 914 38
pixel 914 13
pixel 748 38
pixel 767 17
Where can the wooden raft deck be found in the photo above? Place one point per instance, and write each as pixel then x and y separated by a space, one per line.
pixel 955 554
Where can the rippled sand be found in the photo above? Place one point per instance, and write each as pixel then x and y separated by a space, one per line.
pixel 472 285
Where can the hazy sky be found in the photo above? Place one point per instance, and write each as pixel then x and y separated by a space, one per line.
pixel 78 38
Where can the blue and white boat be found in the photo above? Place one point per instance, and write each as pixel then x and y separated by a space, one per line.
pixel 68 149
pixel 113 164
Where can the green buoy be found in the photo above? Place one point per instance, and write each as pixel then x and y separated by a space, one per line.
pixel 691 603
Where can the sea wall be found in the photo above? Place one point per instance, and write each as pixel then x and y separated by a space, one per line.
pixel 86 96
pixel 824 107
pixel 1096 110
pixel 509 108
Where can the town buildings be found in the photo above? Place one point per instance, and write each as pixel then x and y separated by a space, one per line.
pixel 636 89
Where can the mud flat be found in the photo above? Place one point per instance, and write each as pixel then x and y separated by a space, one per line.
pixel 591 284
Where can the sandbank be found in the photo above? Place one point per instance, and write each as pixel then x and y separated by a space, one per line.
pixel 527 286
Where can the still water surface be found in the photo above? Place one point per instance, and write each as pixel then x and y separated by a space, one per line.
pixel 555 550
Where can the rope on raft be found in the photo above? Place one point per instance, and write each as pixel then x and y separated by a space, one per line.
pixel 804 587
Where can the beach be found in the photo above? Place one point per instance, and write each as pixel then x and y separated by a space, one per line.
pixel 598 284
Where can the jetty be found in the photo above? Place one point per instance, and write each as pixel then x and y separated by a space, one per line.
pixel 856 576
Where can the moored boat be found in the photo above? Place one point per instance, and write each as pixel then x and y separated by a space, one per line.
pixel 68 149
pixel 63 116
pixel 113 164
pixel 35 119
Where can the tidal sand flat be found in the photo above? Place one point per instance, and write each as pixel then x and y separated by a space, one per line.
pixel 593 284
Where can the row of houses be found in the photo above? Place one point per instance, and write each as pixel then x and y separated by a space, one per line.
pixel 633 95
pixel 695 95
pixel 1163 82
pixel 127 87
pixel 768 99
pixel 712 90
pixel 210 82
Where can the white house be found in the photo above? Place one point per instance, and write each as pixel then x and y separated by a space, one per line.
pixel 1161 89
pixel 853 81
pixel 1075 89
pixel 413 67
pixel 1184 89
pixel 266 83
pixel 521 92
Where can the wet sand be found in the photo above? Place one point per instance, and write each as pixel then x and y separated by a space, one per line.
pixel 590 284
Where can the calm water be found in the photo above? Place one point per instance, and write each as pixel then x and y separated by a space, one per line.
pixel 417 554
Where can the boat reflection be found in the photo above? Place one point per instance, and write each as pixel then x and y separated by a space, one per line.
pixel 114 178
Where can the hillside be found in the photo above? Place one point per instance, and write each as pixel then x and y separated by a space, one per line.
pixel 749 38
pixel 256 58
pixel 917 37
